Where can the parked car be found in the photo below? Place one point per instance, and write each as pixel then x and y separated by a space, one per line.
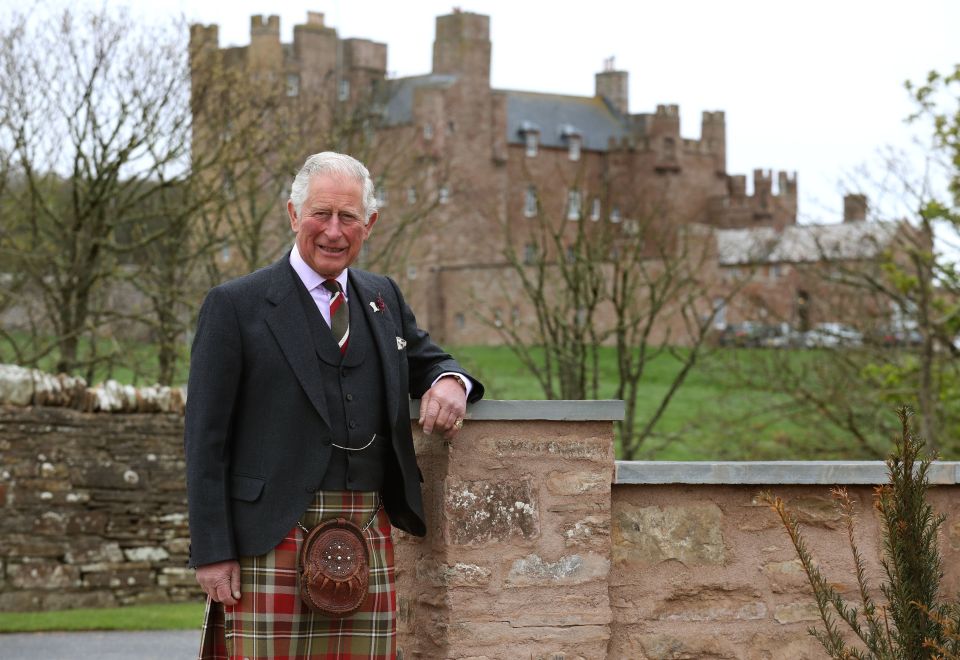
pixel 832 335
pixel 748 334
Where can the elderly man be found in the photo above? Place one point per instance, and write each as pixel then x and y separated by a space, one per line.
pixel 297 414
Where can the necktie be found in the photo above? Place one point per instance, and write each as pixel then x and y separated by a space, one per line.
pixel 339 315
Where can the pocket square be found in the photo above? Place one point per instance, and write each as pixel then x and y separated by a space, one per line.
pixel 401 343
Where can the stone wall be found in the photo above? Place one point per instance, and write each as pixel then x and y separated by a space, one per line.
pixel 701 568
pixel 536 548
pixel 92 509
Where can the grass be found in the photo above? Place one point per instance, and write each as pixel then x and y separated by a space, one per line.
pixel 177 616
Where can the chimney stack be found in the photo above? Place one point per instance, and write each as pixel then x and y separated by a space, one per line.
pixel 854 208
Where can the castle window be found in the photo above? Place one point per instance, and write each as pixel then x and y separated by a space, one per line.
pixel 530 202
pixel 615 214
pixel 571 254
pixel 411 272
pixel 573 205
pixel 631 227
pixel 225 251
pixel 574 147
pixel 460 320
pixel 444 195
pixel 530 253
pixel 595 209
pixel 411 195
pixel 428 131
pixel 343 93
pixel 532 139
pixel 293 84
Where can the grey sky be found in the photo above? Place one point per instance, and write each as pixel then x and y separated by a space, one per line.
pixel 813 86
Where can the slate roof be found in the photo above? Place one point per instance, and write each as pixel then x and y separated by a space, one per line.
pixel 557 114
pixel 399 106
pixel 804 243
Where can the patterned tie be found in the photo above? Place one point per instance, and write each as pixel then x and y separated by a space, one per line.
pixel 339 315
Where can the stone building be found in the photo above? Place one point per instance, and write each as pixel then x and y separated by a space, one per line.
pixel 479 165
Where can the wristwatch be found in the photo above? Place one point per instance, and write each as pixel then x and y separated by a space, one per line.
pixel 460 380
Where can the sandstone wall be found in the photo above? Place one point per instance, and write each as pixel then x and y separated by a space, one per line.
pixel 703 570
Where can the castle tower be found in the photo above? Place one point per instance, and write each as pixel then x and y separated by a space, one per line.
pixel 265 51
pixel 463 47
pixel 612 86
pixel 713 135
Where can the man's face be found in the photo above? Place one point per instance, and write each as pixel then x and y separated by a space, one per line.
pixel 330 229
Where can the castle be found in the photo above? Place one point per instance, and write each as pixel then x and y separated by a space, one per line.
pixel 484 158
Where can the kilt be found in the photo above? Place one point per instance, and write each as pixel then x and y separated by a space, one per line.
pixel 271 621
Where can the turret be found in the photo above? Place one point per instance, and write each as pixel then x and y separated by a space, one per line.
pixel 265 50
pixel 462 46
pixel 713 136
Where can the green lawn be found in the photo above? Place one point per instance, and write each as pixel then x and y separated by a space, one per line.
pixel 179 616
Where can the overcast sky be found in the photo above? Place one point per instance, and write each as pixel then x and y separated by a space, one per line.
pixel 812 86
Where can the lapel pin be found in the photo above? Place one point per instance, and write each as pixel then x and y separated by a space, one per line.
pixel 378 305
pixel 401 343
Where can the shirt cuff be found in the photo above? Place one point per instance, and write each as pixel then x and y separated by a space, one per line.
pixel 466 381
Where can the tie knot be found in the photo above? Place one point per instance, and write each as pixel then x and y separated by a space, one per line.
pixel 332 286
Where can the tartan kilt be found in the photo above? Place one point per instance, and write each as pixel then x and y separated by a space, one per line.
pixel 271 621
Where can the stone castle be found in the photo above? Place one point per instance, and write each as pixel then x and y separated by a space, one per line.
pixel 488 158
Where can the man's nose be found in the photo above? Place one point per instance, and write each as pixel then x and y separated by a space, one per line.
pixel 333 226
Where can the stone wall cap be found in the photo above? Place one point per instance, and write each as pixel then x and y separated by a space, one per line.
pixel 823 473
pixel 598 410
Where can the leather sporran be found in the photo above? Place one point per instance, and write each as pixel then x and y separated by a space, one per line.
pixel 334 568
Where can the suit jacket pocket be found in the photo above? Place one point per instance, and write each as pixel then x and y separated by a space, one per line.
pixel 247 489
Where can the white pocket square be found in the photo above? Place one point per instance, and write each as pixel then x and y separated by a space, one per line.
pixel 401 343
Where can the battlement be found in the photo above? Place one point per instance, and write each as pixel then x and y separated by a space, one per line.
pixel 670 110
pixel 204 36
pixel 261 27
pixel 714 117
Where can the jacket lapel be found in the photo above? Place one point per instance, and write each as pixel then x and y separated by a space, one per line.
pixel 289 325
pixel 384 334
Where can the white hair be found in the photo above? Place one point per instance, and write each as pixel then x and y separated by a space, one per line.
pixel 330 162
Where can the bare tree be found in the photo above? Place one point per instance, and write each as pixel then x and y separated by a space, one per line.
pixel 94 120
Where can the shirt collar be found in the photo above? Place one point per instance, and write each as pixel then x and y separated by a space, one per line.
pixel 311 278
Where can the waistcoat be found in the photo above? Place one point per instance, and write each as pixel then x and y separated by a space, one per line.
pixel 356 401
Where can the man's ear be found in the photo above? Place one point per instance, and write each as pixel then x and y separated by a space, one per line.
pixel 292 212
pixel 369 226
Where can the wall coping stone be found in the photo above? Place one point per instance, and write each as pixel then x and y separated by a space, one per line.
pixel 942 473
pixel 595 410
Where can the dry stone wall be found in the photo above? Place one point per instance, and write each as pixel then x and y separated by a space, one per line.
pixel 92 509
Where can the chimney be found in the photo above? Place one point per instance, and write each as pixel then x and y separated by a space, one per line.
pixel 854 208
pixel 611 85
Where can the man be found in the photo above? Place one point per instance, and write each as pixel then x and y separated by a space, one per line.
pixel 297 412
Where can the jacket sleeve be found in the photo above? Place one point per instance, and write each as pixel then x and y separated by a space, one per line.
pixel 215 372
pixel 426 360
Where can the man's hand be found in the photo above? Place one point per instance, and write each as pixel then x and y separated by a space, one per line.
pixel 221 581
pixel 441 407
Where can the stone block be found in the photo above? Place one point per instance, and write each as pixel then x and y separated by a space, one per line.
pixel 146 553
pixel 457 575
pixel 785 575
pixel 560 482
pixel 21 601
pixel 481 512
pixel 566 448
pixel 93 550
pixel 18 546
pixel 690 534
pixel 87 522
pixel 796 612
pixel 953 533
pixel 45 575
pixel 50 523
pixel 534 571
pixel 588 530
pixel 816 511
pixel 690 646
pixel 116 576
pixel 63 600
pixel 712 603
pixel 177 577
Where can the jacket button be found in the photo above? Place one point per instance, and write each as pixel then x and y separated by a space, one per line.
pixel 353 424
pixel 349 397
pixel 343 372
